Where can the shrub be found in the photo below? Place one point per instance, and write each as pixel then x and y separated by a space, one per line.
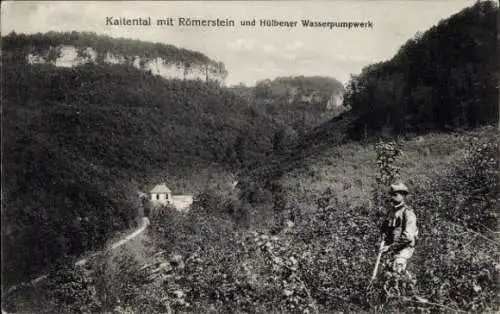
pixel 70 290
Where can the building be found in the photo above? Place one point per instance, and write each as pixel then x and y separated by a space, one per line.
pixel 162 195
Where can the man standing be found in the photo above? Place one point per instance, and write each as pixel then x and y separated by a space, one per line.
pixel 399 229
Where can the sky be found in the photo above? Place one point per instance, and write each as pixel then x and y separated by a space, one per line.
pixel 251 53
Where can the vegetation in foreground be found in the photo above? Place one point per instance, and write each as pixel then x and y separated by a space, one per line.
pixel 316 256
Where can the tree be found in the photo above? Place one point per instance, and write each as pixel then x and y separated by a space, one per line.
pixel 52 54
pixel 407 93
pixel 83 55
pixel 70 290
pixel 240 148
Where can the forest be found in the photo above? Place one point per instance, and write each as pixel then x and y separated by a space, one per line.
pixel 88 137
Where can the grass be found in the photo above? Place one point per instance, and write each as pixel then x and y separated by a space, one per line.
pixel 350 169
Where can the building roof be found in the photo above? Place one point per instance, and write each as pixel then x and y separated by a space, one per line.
pixel 161 188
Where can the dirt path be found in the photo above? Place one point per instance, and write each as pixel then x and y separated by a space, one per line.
pixel 144 224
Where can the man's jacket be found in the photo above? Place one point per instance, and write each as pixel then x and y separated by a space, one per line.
pixel 400 228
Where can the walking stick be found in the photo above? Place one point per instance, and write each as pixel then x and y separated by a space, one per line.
pixel 375 269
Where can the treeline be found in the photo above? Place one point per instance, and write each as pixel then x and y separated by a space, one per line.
pixel 47 47
pixel 443 79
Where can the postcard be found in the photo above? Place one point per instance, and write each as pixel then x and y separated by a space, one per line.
pixel 250 156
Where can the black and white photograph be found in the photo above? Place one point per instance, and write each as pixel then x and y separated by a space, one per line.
pixel 250 157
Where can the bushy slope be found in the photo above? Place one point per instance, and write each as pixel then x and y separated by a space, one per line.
pixel 322 262
pixel 79 142
pixel 320 256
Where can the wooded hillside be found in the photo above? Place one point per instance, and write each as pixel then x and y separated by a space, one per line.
pixel 443 79
pixel 79 142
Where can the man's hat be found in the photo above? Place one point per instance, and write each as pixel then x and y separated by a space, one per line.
pixel 399 187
